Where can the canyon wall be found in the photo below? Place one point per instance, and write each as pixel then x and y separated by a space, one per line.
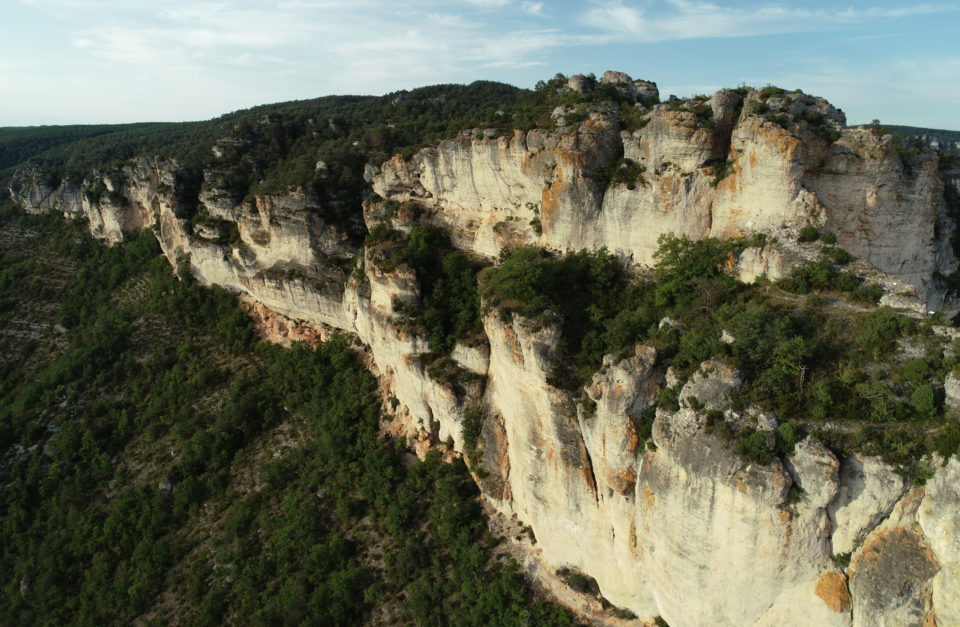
pixel 677 525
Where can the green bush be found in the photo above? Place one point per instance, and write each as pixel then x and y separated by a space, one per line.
pixel 869 294
pixel 721 170
pixel 821 274
pixel 808 234
pixel 770 91
pixel 618 170
pixel 877 331
pixel 756 446
pixel 780 119
pixel 923 401
pixel 837 255
pixel 579 581
pixel 450 302
pixel 605 314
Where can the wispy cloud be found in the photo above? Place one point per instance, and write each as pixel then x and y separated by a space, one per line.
pixel 392 49
pixel 532 8
pixel 489 4
pixel 165 59
pixel 686 19
pixel 448 20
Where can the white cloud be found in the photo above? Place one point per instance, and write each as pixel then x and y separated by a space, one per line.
pixel 686 19
pixel 532 8
pixel 449 21
pixel 877 12
pixel 489 4
pixel 402 43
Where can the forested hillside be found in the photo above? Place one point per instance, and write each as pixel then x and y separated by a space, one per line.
pixel 163 466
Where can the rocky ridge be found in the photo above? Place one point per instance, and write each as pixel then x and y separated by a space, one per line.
pixel 681 527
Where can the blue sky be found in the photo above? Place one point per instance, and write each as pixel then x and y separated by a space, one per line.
pixel 70 61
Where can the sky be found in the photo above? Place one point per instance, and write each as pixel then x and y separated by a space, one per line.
pixel 97 61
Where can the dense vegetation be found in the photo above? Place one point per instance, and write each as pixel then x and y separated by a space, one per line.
pixel 448 309
pixel 812 360
pixel 161 466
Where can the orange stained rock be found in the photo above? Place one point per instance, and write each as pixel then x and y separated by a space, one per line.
pixel 668 187
pixel 742 482
pixel 730 262
pixel 833 591
pixel 648 497
pixel 516 351
pixel 624 481
pixel 731 182
pixel 549 202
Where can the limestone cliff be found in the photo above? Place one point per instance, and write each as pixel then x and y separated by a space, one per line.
pixel 715 167
pixel 678 526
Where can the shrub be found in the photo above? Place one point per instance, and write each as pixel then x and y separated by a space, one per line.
pixel 780 119
pixel 829 238
pixel 846 282
pixel 869 294
pixel 579 581
pixel 923 401
pixel 837 255
pixel 810 275
pixel 755 445
pixel 472 427
pixel 771 91
pixel 721 170
pixel 603 314
pixel 876 332
pixel 916 370
pixel 617 170
pixel 448 285
pixel 830 134
pixel 946 442
pixel 808 234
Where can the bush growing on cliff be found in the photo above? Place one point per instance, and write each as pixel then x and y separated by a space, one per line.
pixel 800 361
pixel 823 274
pixel 808 234
pixel 690 274
pixel 721 169
pixel 603 314
pixel 449 307
pixel 618 170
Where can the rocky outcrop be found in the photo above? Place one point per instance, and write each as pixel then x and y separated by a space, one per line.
pixel 654 504
pixel 733 164
pixel 32 189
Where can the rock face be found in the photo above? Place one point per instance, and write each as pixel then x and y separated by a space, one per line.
pixel 653 504
pixel 714 167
